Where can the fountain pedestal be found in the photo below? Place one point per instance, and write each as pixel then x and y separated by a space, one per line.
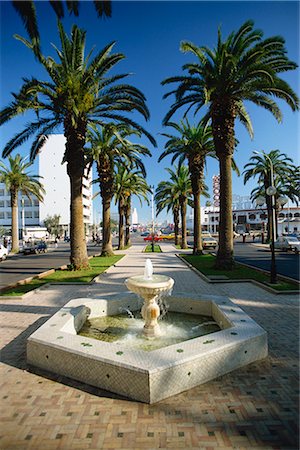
pixel 150 289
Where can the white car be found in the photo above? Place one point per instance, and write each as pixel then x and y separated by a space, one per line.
pixel 286 243
pixel 209 242
pixel 3 253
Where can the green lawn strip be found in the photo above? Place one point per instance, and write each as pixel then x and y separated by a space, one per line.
pixel 97 265
pixel 205 265
pixel 157 248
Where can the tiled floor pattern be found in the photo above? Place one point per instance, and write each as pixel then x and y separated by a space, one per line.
pixel 252 408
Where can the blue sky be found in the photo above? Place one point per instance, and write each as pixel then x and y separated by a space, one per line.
pixel 149 34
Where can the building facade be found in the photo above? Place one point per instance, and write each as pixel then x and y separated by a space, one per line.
pixel 55 180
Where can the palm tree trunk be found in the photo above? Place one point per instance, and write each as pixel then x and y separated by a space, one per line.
pixel 223 116
pixel 196 168
pixel 121 224
pixel 127 222
pixel 14 222
pixel 75 169
pixel 183 223
pixel 225 258
pixel 107 249
pixel 176 225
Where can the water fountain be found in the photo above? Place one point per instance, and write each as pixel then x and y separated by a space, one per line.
pixel 147 376
pixel 150 287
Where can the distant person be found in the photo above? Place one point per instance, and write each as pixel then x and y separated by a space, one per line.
pixel 56 242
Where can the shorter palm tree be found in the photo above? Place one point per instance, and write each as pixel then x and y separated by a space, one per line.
pixel 127 183
pixel 193 143
pixel 165 198
pixel 179 191
pixel 17 179
pixel 285 178
pixel 109 146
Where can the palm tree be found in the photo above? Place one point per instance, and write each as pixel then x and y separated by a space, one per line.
pixel 17 179
pixel 194 143
pixel 180 187
pixel 128 183
pixel 285 173
pixel 244 67
pixel 80 94
pixel 108 147
pixel 27 12
pixel 166 198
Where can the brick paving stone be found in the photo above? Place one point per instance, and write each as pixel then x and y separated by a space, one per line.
pixel 255 407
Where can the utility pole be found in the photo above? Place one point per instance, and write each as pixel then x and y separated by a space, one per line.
pixel 152 214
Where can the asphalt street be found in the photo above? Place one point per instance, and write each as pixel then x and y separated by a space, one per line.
pixel 19 267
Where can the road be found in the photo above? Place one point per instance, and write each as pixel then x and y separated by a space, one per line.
pixel 19 267
pixel 287 263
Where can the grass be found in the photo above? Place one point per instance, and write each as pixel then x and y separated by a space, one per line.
pixel 157 248
pixel 205 265
pixel 97 265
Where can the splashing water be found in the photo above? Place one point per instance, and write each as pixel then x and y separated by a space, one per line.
pixel 148 272
pixel 127 310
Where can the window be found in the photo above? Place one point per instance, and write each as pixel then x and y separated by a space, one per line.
pixel 1 192
pixel 8 204
pixel 252 216
pixel 281 215
pixel 28 214
pixel 36 202
pixel 8 215
pixel 263 216
pixel 1 215
pixel 27 202
pixel 1 203
pixel 36 214
pixel 296 215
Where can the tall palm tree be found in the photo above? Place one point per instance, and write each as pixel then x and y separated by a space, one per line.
pixel 127 183
pixel 194 143
pixel 285 174
pixel 27 12
pixel 17 179
pixel 109 145
pixel 243 67
pixel 79 94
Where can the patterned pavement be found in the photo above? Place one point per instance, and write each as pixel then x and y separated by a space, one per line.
pixel 255 407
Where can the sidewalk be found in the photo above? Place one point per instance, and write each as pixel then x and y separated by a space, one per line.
pixel 255 407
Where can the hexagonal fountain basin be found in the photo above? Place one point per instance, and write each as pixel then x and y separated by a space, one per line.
pixel 137 374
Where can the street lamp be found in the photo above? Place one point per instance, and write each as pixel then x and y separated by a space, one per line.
pixel 152 215
pixel 271 191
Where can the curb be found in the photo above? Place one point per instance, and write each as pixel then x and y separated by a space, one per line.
pixel 256 283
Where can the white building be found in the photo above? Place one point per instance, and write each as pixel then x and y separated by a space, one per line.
pixel 28 210
pixel 245 220
pixel 57 186
pixel 57 183
pixel 134 218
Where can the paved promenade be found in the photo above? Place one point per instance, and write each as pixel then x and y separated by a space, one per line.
pixel 255 407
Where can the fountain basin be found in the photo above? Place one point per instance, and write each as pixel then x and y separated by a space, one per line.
pixel 146 376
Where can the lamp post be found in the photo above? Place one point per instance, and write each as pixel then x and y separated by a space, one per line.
pixel 259 202
pixel 23 220
pixel 271 191
pixel 152 216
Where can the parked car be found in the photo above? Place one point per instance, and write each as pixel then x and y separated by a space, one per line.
pixel 3 252
pixel 145 233
pixel 167 237
pixel 40 247
pixel 156 238
pixel 286 243
pixel 209 242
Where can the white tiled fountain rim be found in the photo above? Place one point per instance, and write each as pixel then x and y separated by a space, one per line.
pixel 53 333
